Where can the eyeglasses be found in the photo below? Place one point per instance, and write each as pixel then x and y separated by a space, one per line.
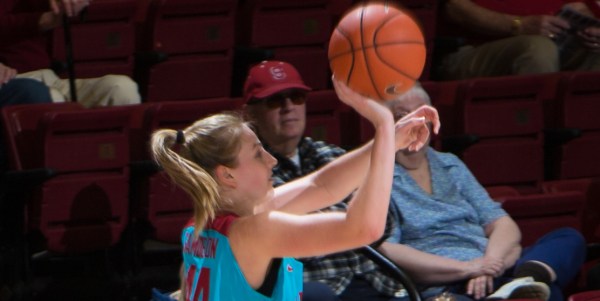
pixel 277 101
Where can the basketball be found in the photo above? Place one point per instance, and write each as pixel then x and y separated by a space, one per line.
pixel 378 50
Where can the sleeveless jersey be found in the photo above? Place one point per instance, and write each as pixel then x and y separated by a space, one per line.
pixel 212 272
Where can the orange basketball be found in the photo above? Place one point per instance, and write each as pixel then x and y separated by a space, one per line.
pixel 378 50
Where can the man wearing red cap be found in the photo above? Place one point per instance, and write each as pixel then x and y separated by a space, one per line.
pixel 275 97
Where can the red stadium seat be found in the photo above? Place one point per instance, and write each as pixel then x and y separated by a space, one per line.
pixel 573 130
pixel 324 112
pixel 586 296
pixel 295 31
pixel 103 39
pixel 84 155
pixel 187 49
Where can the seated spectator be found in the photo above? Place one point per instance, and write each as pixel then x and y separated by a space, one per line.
pixel 517 37
pixel 24 30
pixel 15 91
pixel 451 236
pixel 275 96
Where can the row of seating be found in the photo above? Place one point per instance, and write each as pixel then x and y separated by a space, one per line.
pixel 182 49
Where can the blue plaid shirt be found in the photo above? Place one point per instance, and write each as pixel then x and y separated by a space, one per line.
pixel 335 270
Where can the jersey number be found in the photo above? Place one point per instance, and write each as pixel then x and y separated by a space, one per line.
pixel 202 286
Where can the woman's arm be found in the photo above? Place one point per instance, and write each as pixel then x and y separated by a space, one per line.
pixel 504 241
pixel 427 268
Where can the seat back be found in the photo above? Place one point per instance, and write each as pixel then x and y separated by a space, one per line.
pixel 323 113
pixel 103 39
pixel 501 118
pixel 188 47
pixel 87 152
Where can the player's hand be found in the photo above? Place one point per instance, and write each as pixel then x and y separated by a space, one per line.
pixel 372 110
pixel 480 286
pixel 6 74
pixel 412 130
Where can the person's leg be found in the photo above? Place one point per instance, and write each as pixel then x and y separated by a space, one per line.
pixel 23 91
pixel 562 250
pixel 317 291
pixel 516 55
pixel 109 90
pixel 58 89
pixel 582 60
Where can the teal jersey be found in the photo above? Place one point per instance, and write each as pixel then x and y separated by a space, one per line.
pixel 213 274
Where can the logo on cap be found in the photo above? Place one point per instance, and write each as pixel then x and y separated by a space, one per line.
pixel 278 73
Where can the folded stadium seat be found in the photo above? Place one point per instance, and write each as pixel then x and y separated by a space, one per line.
pixel 186 49
pixel 158 203
pixel 296 31
pixel 590 187
pixel 324 113
pixel 585 296
pixel 102 40
pixel 498 120
pixel 71 176
pixel 539 213
pixel 572 127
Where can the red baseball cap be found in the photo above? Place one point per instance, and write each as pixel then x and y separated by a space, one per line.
pixel 271 77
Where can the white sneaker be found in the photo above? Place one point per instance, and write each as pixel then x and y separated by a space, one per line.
pixel 522 288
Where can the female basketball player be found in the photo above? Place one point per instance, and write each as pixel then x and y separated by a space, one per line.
pixel 239 244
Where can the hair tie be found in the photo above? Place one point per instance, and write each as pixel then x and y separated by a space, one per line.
pixel 180 139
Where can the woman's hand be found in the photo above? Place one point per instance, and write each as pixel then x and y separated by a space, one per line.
pixel 480 286
pixel 412 131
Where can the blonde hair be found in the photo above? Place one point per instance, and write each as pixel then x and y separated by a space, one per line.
pixel 206 144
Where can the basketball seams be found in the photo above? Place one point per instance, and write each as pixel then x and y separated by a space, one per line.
pixel 351 52
pixel 382 59
pixel 364 53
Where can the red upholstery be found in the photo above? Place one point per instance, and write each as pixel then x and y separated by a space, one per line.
pixel 539 213
pixel 103 41
pixel 586 296
pixel 297 31
pixel 590 187
pixel 323 116
pixel 504 117
pixel 576 108
pixel 86 155
pixel 192 43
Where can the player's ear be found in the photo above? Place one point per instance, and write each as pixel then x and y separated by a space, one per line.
pixel 225 177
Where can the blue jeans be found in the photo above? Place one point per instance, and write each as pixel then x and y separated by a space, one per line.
pixel 562 249
pixel 20 91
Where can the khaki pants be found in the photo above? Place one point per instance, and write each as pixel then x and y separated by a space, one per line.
pixel 526 54
pixel 108 90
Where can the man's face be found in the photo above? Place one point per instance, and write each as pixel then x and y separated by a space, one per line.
pixel 280 117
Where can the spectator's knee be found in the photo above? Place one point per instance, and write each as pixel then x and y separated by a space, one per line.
pixel 26 91
pixel 535 54
pixel 123 90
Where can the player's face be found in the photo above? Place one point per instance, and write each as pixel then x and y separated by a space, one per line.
pixel 253 173
pixel 281 117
